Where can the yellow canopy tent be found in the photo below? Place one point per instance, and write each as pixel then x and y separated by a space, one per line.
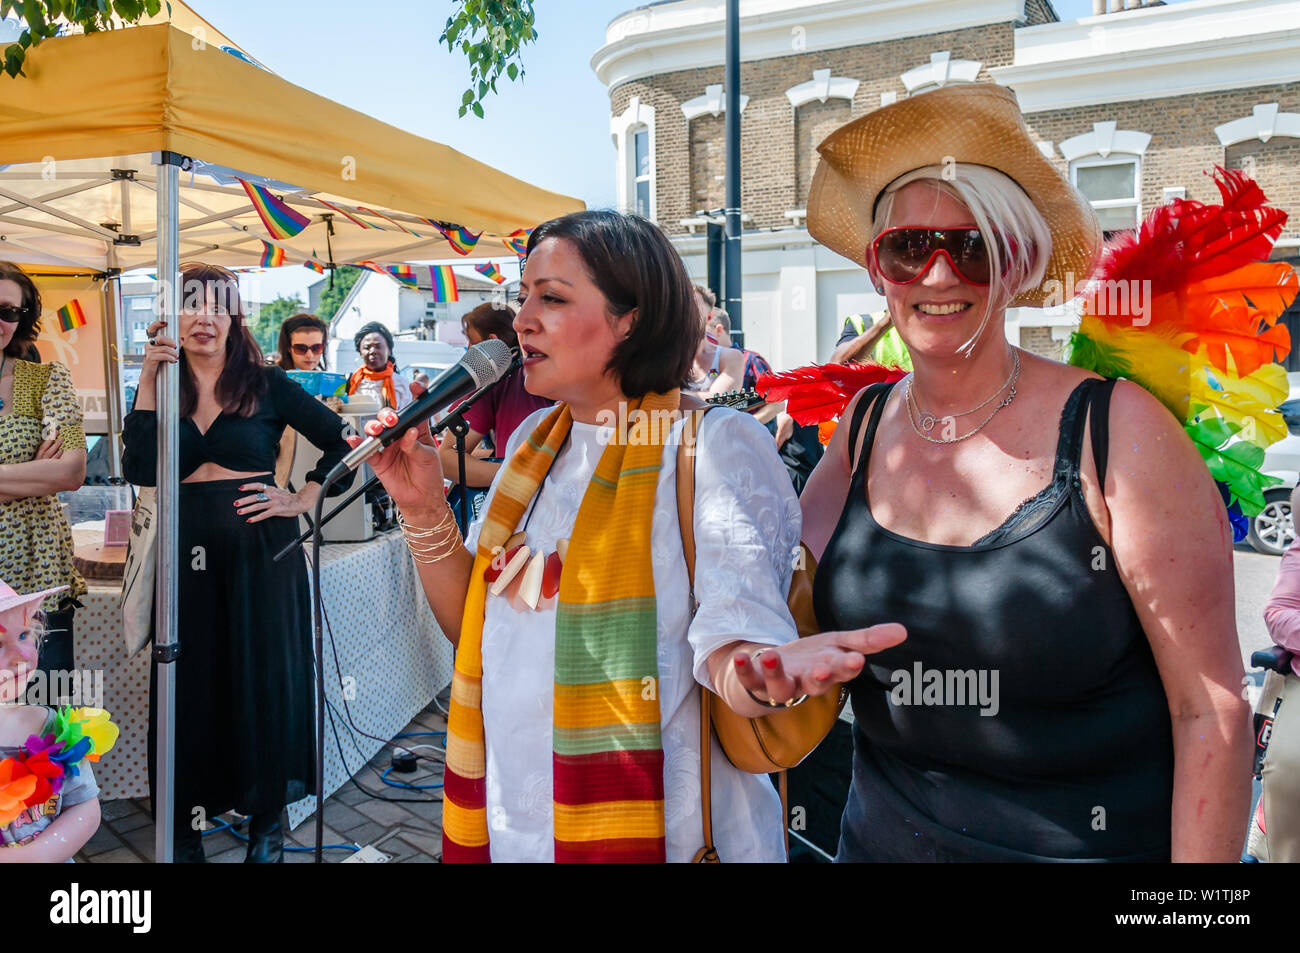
pixel 78 131
pixel 124 149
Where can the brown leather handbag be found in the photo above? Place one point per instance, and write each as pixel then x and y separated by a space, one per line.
pixel 774 742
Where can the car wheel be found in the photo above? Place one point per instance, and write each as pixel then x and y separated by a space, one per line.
pixel 1271 530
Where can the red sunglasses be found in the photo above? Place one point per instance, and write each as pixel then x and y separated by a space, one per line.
pixel 904 254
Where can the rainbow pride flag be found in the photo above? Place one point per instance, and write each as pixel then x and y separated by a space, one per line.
pixel 71 316
pixel 491 271
pixel 314 265
pixel 281 221
pixel 348 215
pixel 460 238
pixel 403 273
pixel 272 255
pixel 392 221
pixel 517 241
pixel 443 280
pixel 372 266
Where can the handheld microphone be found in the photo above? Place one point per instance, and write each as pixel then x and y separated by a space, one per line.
pixel 482 364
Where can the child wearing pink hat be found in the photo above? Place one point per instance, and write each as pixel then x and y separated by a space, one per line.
pixel 49 803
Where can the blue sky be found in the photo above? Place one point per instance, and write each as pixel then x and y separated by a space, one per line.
pixel 551 129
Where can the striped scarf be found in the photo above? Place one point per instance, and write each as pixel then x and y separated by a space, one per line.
pixel 608 757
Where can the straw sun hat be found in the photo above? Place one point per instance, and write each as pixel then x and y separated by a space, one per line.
pixel 979 124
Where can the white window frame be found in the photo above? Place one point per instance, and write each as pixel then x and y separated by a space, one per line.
pixel 942 70
pixel 1115 158
pixel 638 117
pixel 648 177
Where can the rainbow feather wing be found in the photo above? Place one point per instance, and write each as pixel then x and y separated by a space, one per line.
pixel 1185 307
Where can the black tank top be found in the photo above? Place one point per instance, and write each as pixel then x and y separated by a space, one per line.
pixel 1023 718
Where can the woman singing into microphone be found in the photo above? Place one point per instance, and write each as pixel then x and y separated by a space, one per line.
pixel 574 732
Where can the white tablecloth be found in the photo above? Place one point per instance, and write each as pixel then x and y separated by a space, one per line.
pixel 391 653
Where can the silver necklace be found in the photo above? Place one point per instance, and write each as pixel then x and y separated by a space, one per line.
pixel 923 423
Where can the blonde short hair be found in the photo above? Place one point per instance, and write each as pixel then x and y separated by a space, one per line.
pixel 1022 247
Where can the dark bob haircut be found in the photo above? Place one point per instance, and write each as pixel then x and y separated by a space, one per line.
pixel 242 381
pixel 300 322
pixel 29 325
pixel 635 266
pixel 374 327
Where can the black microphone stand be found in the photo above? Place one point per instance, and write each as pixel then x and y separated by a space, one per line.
pixel 455 422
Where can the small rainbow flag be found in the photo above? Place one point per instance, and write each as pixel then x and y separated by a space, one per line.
pixel 396 224
pixel 403 273
pixel 314 265
pixel 443 280
pixel 272 255
pixel 460 238
pixel 371 266
pixel 517 241
pixel 348 215
pixel 281 221
pixel 71 316
pixel 491 271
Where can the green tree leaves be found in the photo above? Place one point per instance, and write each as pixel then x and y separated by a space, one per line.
pixel 265 328
pixel 491 35
pixel 345 276
pixel 43 19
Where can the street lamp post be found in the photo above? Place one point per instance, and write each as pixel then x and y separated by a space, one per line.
pixel 731 272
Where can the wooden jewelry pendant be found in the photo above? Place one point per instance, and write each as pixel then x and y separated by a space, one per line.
pixel 530 580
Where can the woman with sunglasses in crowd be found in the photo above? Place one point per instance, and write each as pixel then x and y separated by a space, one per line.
pixel 244 736
pixel 302 343
pixel 1068 691
pixel 301 348
pixel 42 452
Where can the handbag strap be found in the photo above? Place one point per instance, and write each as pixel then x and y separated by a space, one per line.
pixel 686 453
pixel 707 854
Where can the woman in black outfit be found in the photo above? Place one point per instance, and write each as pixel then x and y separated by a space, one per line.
pixel 244 737
pixel 1069 686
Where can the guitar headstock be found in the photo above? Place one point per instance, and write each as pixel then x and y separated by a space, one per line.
pixel 747 399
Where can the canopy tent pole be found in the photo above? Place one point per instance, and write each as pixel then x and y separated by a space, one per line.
pixel 112 376
pixel 166 645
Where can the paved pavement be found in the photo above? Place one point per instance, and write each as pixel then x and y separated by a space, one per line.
pixel 408 832
pixel 1255 574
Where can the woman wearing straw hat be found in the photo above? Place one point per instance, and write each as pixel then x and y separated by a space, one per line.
pixel 1068 690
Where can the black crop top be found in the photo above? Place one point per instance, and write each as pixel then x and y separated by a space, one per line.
pixel 244 444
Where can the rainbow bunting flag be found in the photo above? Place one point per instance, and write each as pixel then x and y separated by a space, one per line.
pixel 460 238
pixel 403 273
pixel 272 255
pixel 314 265
pixel 491 271
pixel 443 281
pixel 71 316
pixel 371 266
pixel 281 221
pixel 348 215
pixel 517 241
pixel 392 221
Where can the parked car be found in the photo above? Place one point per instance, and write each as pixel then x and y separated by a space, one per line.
pixel 1272 530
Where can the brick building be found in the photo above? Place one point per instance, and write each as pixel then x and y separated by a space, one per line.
pixel 1134 105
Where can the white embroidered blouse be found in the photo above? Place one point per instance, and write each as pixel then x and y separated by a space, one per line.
pixel 747 525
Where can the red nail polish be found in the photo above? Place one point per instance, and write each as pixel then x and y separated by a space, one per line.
pixel 373 428
pixel 769 661
pixel 740 661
